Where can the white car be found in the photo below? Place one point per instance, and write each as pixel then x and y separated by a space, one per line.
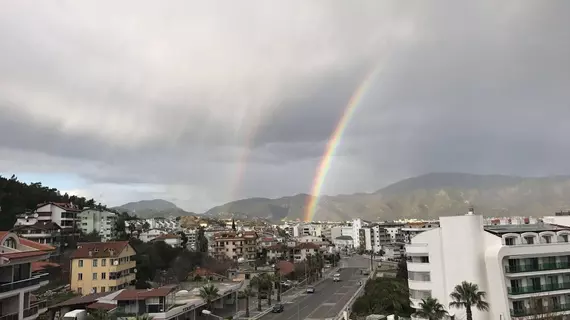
pixel 310 290
pixel 336 277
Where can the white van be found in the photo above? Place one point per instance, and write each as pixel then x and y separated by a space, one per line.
pixel 76 315
pixel 336 277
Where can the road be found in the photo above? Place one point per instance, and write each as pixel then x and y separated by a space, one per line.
pixel 329 298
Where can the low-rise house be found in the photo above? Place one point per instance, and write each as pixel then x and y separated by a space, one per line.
pixel 151 234
pixel 172 240
pixel 44 232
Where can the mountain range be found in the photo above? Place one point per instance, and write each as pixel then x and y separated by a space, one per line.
pixel 153 208
pixel 427 196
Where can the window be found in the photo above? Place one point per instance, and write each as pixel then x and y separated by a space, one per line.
pixel 94 290
pixel 102 289
pixel 529 240
pixel 94 262
pixel 564 238
pixel 80 290
pixel 80 276
pixel 547 239
pixel 103 262
pixel 424 259
pixel 103 275
pixel 510 241
pixel 80 263
pixel 94 276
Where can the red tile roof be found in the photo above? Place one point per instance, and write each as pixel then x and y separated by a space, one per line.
pixel 39 225
pixel 307 245
pixel 99 249
pixel 35 245
pixel 285 267
pixel 62 205
pixel 166 236
pixel 41 265
pixel 24 254
pixel 130 294
pixel 102 306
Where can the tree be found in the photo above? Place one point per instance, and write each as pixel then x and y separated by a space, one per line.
pixel 467 295
pixel 263 285
pixel 209 293
pixel 146 226
pixel 402 272
pixel 234 225
pixel 100 315
pixel 143 317
pixel 183 239
pixel 201 241
pixel 384 295
pixel 247 293
pixel 431 309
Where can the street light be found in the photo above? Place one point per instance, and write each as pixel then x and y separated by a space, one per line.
pixel 209 313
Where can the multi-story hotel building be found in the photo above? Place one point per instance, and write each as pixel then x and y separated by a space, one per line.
pixel 524 268
pixel 102 267
pixel 17 280
pixel 100 221
pixel 235 245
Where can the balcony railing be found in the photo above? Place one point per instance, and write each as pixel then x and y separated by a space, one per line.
pixel 530 312
pixel 34 280
pixel 537 267
pixel 540 288
pixel 11 316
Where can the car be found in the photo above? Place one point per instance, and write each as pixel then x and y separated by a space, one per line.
pixel 336 277
pixel 277 308
pixel 310 290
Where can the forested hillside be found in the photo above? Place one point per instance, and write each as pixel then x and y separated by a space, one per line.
pixel 17 197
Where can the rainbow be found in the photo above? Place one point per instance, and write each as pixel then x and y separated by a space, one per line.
pixel 333 143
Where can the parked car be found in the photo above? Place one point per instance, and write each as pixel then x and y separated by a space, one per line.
pixel 310 290
pixel 277 308
pixel 336 277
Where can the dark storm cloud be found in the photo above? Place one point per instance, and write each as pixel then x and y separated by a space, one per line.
pixel 166 100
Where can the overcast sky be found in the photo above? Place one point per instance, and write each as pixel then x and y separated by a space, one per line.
pixel 203 102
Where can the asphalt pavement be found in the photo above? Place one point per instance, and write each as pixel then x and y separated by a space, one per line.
pixel 329 298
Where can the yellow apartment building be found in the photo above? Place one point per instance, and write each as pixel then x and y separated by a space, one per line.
pixel 102 267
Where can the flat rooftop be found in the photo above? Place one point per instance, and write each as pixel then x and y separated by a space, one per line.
pixel 521 228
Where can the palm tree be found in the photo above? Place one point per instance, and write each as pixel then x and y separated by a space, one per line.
pixel 320 264
pixel 247 292
pixel 259 283
pixel 467 295
pixel 431 309
pixel 209 293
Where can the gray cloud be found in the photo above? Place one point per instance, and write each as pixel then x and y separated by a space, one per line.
pixel 202 103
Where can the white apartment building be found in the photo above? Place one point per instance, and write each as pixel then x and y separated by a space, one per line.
pixel 16 278
pixel 523 268
pixel 62 214
pixel 100 221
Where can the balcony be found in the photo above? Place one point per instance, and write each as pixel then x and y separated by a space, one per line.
pixel 34 280
pixel 35 308
pixel 537 267
pixel 530 312
pixel 541 288
pixel 11 316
